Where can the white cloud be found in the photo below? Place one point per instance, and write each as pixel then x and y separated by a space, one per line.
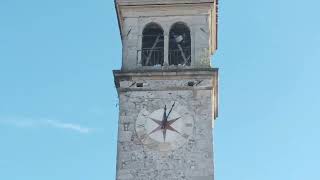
pixel 40 123
pixel 68 126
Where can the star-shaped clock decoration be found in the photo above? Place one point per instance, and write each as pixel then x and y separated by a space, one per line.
pixel 164 129
pixel 165 124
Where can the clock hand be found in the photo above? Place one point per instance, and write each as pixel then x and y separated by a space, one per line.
pixel 165 125
pixel 164 117
pixel 164 133
pixel 170 110
pixel 162 124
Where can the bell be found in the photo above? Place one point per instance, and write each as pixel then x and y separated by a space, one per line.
pixel 179 39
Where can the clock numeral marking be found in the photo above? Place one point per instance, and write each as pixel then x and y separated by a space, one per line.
pixel 126 126
pixel 153 145
pixel 186 136
pixel 140 125
pixel 143 138
pixel 188 124
pixel 132 137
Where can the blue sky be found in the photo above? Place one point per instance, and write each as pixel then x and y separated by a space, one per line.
pixel 58 104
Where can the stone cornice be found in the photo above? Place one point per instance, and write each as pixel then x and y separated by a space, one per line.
pixel 161 2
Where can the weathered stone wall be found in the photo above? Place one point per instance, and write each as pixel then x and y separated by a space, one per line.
pixel 194 159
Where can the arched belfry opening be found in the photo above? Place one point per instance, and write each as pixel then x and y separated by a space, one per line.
pixel 180 45
pixel 152 52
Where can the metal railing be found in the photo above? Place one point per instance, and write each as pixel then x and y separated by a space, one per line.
pixel 177 58
pixel 152 57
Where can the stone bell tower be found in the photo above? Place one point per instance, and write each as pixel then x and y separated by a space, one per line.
pixel 167 88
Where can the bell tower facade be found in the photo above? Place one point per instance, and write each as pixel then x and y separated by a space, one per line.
pixel 167 88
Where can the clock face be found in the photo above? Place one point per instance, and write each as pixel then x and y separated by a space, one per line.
pixel 164 129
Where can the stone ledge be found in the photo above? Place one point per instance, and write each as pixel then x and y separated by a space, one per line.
pixel 166 72
pixel 170 74
pixel 159 2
